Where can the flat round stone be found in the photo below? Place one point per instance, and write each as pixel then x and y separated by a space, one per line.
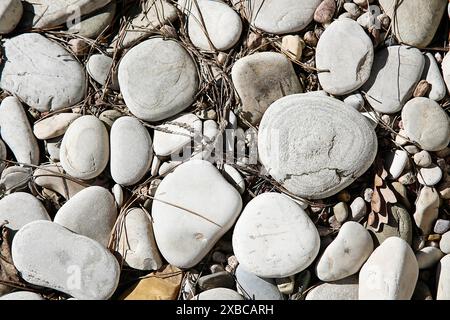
pixel 345 50
pixel 280 16
pixel 85 148
pixel 91 212
pixel 274 237
pixel 20 208
pixel 189 220
pixel 99 66
pixel 41 73
pixel 158 79
pixel 47 254
pixel 345 289
pixel 395 72
pixel 131 151
pixel 315 146
pixel 426 123
pixel 223 25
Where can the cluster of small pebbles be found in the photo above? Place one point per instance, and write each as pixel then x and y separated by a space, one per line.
pixel 225 149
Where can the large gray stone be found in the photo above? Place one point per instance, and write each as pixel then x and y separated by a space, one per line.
pixel 414 22
pixel 346 53
pixel 395 73
pixel 345 289
pixel 47 254
pixel 41 73
pixel 262 78
pixel 158 79
pixel 315 146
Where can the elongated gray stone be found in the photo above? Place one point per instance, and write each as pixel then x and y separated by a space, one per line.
pixel 92 25
pixel 10 14
pixel 432 74
pixel 47 254
pixel 131 151
pixel 253 287
pixel 315 146
pixel 41 73
pixel 22 295
pixel 16 131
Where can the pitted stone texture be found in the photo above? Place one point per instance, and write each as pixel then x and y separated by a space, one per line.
pixel 315 146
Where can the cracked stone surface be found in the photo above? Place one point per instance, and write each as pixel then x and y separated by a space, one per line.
pixel 315 146
pixel 346 53
pixel 158 79
pixel 274 237
pixel 280 16
pixel 41 73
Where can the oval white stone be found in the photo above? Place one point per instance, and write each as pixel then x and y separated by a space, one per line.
pixel 315 146
pixel 223 25
pixel 274 237
pixel 131 151
pixel 347 52
pixel 85 148
pixel 390 273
